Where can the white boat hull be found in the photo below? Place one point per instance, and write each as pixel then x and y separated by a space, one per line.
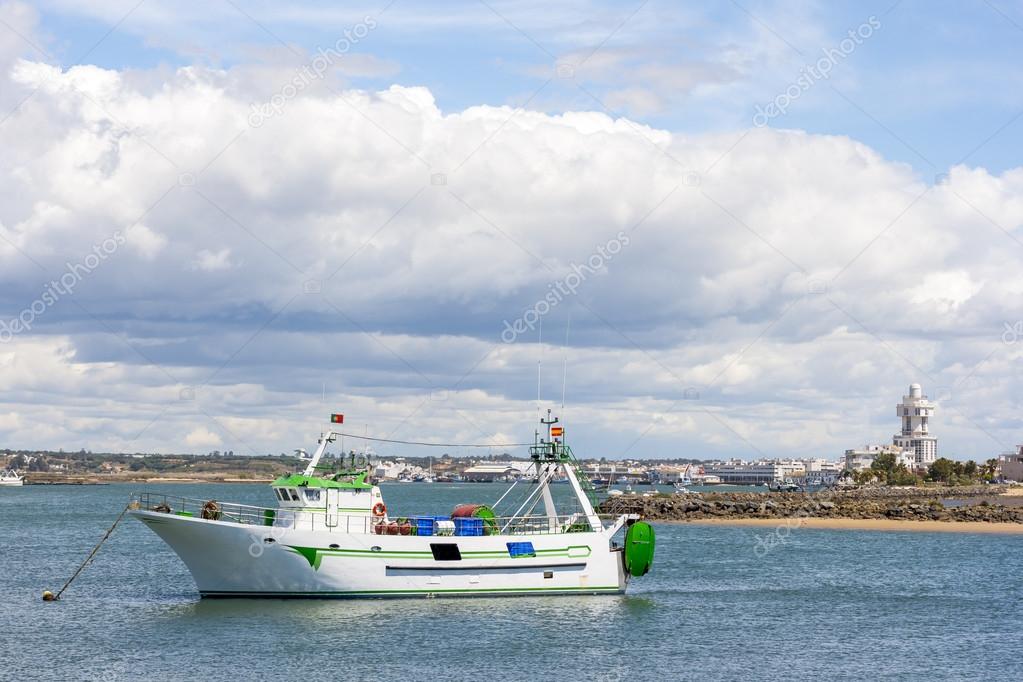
pixel 236 560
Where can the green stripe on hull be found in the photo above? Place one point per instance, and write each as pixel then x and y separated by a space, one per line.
pixel 454 592
pixel 314 555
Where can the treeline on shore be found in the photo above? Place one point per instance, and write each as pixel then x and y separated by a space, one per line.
pixel 42 467
pixel 884 469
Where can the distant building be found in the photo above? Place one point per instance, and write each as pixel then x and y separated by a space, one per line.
pixel 389 470
pixel 495 471
pixel 622 472
pixel 916 410
pixel 862 458
pixel 1011 465
pixel 822 466
pixel 750 473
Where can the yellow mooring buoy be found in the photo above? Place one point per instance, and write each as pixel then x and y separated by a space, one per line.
pixel 48 596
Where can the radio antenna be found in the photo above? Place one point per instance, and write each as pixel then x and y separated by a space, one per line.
pixel 564 377
pixel 539 361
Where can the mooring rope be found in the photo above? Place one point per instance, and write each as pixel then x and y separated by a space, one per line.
pixel 49 596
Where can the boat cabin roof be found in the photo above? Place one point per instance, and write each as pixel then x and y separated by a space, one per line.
pixel 342 481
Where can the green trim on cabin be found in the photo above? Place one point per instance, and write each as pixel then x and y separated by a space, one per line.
pixel 314 555
pixel 302 481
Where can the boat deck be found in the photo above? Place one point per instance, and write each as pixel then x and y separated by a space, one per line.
pixel 360 523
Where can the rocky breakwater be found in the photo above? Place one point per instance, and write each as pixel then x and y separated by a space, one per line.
pixel 921 504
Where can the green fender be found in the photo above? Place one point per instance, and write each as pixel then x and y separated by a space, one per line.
pixel 639 548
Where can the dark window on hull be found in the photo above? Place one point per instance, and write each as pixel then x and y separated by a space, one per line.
pixel 445 551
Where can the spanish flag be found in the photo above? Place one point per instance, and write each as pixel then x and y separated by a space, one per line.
pixel 557 431
pixel 337 419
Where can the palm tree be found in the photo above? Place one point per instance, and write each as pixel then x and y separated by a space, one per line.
pixel 989 468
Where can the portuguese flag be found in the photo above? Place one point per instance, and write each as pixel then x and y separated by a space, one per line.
pixel 337 419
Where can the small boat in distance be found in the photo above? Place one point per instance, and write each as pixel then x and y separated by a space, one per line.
pixel 784 486
pixel 428 478
pixel 11 478
pixel 684 480
pixel 331 536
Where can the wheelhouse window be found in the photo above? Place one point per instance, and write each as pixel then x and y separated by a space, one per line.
pixel 294 495
pixel 312 495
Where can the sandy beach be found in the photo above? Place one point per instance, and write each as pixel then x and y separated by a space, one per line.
pixel 870 524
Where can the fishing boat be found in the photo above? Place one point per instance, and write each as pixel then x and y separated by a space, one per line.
pixel 11 478
pixel 332 536
pixel 684 480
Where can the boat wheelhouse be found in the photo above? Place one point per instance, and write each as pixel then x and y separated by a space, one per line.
pixel 331 535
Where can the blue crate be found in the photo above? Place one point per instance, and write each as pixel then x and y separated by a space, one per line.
pixel 468 526
pixel 521 549
pixel 424 525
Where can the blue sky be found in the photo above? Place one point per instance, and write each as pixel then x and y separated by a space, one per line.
pixel 934 85
pixel 778 283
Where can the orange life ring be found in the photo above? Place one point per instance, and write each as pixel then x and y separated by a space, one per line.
pixel 379 509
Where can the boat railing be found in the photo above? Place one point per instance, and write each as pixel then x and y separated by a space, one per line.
pixel 367 523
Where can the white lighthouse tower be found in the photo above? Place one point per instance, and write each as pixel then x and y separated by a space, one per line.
pixel 915 411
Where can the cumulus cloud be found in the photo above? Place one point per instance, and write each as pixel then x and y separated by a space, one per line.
pixel 362 251
pixel 202 437
pixel 212 261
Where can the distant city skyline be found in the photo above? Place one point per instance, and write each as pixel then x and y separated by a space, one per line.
pixel 742 228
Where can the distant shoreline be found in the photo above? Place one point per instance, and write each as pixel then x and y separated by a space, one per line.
pixel 94 480
pixel 865 524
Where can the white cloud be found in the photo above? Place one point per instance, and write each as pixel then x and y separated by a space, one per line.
pixel 202 437
pixel 798 286
pixel 212 261
pixel 146 241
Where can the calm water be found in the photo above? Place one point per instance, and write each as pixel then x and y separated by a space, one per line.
pixel 823 604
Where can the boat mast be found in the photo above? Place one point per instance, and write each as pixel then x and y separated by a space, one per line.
pixel 548 498
pixel 557 455
pixel 324 439
pixel 577 488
